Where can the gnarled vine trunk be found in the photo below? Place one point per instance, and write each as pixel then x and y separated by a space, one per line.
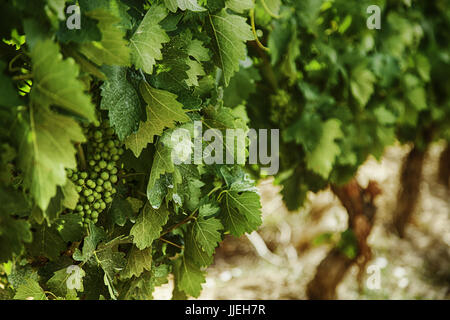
pixel 444 166
pixel 408 195
pixel 359 203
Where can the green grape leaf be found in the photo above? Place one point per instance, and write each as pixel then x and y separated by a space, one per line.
pixel 8 154
pixel 188 185
pixel 122 101
pixel 136 204
pixel 90 243
pixel 174 67
pixel 294 192
pixel 116 7
pixel 45 151
pixel 229 33
pixel 321 159
pixel 30 290
pixel 220 118
pixel 55 81
pixel 148 226
pixel 13 234
pixel 207 233
pixel 47 243
pixel 237 179
pixel 240 5
pixel 112 262
pixel 423 67
pixel 289 65
pixel 162 163
pixel 215 5
pixel 240 212
pixel 193 250
pixel 57 6
pixel 158 191
pixel 8 94
pixel 54 208
pixel 137 262
pixel 141 288
pixel 273 6
pixel 384 116
pixel 279 40
pixel 191 5
pixel 58 282
pixel 71 195
pixel 386 68
pixel 146 42
pixel 362 84
pixel 418 98
pixel 195 71
pixel 20 274
pixel 113 48
pixel 197 50
pixel 160 274
pixel 88 32
pixel 70 227
pixel 208 209
pixel 163 110
pixel 241 86
pixel 121 210
pixel 188 277
pixel 13 202
pixel 307 131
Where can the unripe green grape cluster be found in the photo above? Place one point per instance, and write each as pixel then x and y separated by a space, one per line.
pixel 96 184
pixel 283 110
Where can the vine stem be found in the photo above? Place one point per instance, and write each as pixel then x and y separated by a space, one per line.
pixel 143 75
pixel 131 175
pixel 171 243
pixel 82 157
pixel 52 294
pixel 23 77
pixel 252 18
pixel 186 220
pixel 219 198
pixel 141 194
pixel 213 190
pixel 10 66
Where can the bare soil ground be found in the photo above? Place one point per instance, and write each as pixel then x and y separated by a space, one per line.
pixel 280 260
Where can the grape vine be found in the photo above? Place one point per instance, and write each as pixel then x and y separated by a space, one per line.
pixel 87 179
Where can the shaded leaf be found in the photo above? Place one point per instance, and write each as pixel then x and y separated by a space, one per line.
pixel 56 83
pixel 146 43
pixel 122 101
pixel 229 33
pixel 30 290
pixel 148 226
pixel 163 110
